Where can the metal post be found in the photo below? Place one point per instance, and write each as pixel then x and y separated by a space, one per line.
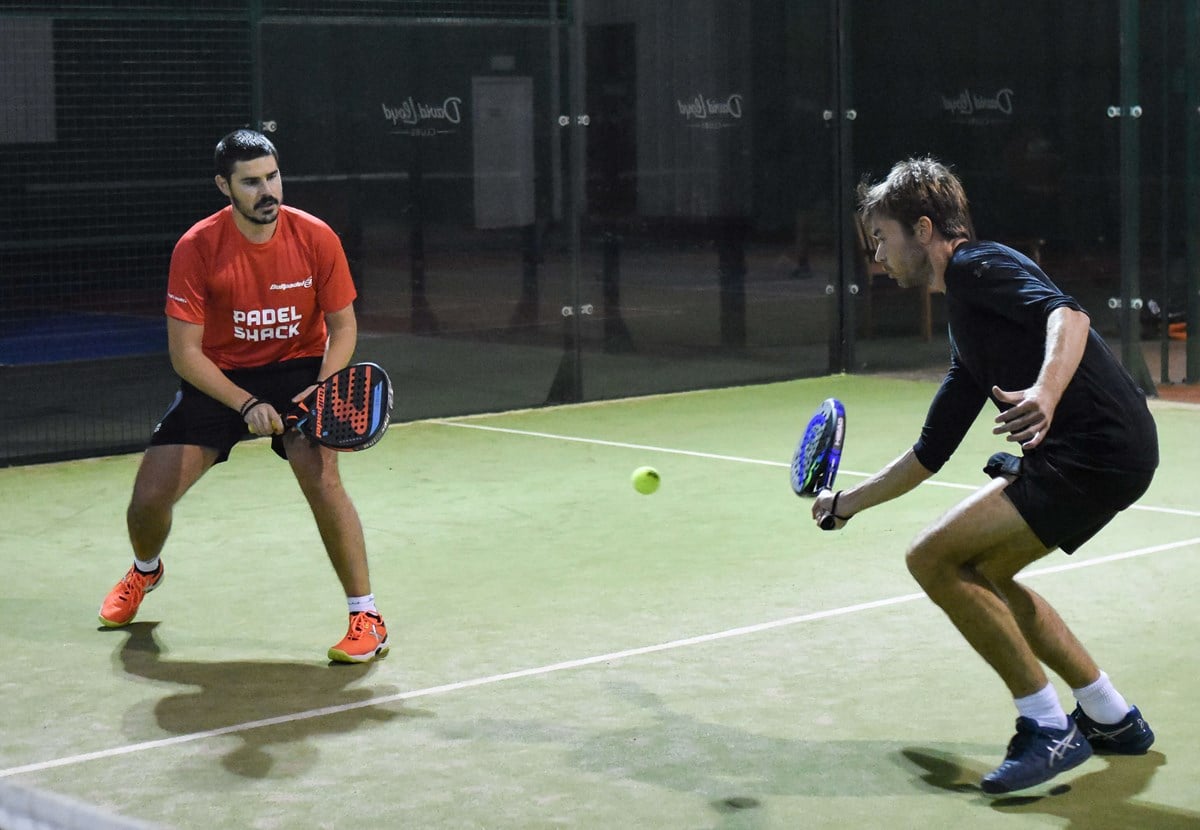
pixel 567 386
pixel 1164 231
pixel 1191 164
pixel 254 23
pixel 1130 153
pixel 841 336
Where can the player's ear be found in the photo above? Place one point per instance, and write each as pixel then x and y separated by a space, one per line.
pixel 923 229
pixel 222 183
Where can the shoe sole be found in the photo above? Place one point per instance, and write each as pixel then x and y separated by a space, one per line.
pixel 1122 750
pixel 342 657
pixel 995 788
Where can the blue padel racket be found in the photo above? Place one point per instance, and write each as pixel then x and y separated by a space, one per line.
pixel 815 462
pixel 348 411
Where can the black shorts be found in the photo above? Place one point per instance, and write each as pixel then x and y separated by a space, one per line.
pixel 1066 503
pixel 195 418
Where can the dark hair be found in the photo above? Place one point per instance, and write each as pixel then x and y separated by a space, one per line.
pixel 915 188
pixel 241 145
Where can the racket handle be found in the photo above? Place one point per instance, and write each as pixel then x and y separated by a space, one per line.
pixel 830 520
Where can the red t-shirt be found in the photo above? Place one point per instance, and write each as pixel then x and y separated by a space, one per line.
pixel 259 304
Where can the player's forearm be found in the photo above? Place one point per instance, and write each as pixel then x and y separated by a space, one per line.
pixel 197 369
pixel 185 345
pixel 343 339
pixel 1066 339
pixel 894 480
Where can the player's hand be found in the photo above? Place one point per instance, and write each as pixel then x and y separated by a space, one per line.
pixel 825 506
pixel 1028 419
pixel 262 419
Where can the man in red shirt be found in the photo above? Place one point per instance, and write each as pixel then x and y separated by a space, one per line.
pixel 259 309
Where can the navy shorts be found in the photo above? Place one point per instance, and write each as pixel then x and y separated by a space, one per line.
pixel 195 418
pixel 1066 503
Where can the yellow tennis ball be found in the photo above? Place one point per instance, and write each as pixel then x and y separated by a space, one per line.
pixel 645 480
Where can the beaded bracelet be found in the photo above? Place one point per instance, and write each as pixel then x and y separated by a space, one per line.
pixel 250 403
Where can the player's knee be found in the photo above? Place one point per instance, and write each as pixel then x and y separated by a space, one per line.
pixel 922 563
pixel 930 564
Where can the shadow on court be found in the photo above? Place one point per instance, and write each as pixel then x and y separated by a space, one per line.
pixel 304 699
pixel 735 768
pixel 739 771
pixel 1105 798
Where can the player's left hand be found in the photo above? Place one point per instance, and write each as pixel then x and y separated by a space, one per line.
pixel 1028 419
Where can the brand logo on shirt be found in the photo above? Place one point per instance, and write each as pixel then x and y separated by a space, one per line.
pixel 176 298
pixel 258 324
pixel 284 286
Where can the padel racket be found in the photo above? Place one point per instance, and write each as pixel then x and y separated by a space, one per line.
pixel 815 462
pixel 350 410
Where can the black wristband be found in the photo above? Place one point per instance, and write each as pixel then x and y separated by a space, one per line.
pixel 833 508
pixel 250 403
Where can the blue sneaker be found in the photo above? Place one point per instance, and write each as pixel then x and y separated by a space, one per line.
pixel 1129 736
pixel 1035 755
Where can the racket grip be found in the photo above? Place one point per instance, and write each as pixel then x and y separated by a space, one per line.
pixel 829 520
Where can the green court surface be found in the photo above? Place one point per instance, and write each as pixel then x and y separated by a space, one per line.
pixel 569 653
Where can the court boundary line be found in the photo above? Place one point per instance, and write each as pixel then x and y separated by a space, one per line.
pixel 537 671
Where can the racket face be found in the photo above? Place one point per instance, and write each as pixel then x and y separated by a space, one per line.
pixel 351 410
pixel 815 462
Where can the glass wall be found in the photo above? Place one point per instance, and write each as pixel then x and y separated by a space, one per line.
pixel 628 200
pixel 547 201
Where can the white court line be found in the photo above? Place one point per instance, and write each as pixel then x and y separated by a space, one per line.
pixel 739 459
pixel 447 688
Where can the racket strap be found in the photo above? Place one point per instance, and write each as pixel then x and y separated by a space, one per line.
pixel 296 414
pixel 833 508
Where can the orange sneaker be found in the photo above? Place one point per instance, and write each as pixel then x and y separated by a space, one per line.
pixel 366 639
pixel 121 604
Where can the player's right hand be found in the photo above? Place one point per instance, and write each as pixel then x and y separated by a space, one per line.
pixel 262 419
pixel 825 507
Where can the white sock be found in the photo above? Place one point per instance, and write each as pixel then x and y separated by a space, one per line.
pixel 1101 702
pixel 1043 707
pixel 357 604
pixel 146 567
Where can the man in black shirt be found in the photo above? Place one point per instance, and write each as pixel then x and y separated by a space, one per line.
pixel 1089 449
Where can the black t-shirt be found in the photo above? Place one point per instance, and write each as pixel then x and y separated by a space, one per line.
pixel 998 301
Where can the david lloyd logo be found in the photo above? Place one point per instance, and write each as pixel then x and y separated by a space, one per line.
pixel 411 116
pixel 978 106
pixel 710 111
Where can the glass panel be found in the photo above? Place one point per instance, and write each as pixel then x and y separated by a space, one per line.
pixel 706 244
pixel 550 201
pixel 1016 100
pixel 1167 68
pixel 429 147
